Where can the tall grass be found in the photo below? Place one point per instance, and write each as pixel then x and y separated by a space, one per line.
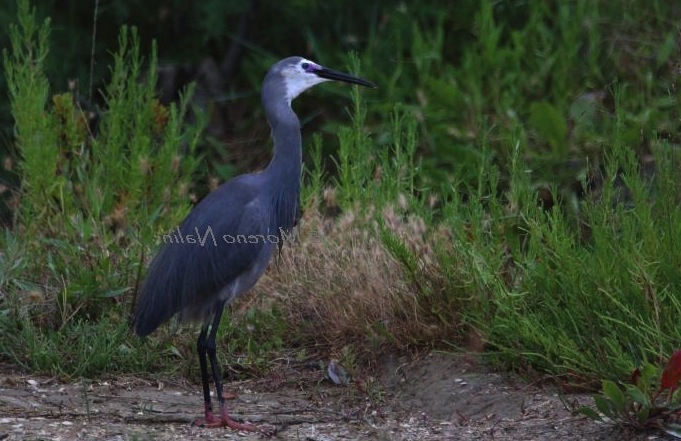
pixel 600 299
pixel 97 190
pixel 521 200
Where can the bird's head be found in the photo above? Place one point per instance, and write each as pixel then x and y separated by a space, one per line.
pixel 299 74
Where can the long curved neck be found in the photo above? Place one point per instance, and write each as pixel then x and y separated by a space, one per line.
pixel 287 155
pixel 285 167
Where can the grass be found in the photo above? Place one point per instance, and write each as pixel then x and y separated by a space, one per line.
pixel 600 301
pixel 94 196
pixel 517 196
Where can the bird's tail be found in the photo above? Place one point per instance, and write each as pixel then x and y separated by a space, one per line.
pixel 157 302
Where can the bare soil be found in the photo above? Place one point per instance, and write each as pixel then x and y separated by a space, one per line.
pixel 436 397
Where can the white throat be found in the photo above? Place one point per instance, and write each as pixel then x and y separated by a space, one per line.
pixel 297 84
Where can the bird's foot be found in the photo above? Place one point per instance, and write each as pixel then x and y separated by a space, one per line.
pixel 210 421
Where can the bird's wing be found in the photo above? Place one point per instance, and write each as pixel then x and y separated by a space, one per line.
pixel 222 238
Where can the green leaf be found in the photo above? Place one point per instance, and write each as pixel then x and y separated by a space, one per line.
pixel 589 413
pixel 643 414
pixel 666 50
pixel 584 112
pixel 444 93
pixel 614 394
pixel 174 351
pixel 116 292
pixel 637 395
pixel 649 373
pixel 604 406
pixel 550 125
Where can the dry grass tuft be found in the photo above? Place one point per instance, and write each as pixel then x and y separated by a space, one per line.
pixel 338 285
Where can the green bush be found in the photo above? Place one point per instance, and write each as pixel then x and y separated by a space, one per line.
pixel 97 191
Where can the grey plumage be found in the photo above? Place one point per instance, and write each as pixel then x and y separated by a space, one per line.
pixel 194 279
pixel 234 230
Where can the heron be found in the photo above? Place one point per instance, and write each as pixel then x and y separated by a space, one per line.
pixel 220 250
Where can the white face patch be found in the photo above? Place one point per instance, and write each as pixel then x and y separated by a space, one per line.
pixel 300 77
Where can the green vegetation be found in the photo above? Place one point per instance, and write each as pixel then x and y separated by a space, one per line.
pixel 512 186
pixel 95 195
pixel 650 400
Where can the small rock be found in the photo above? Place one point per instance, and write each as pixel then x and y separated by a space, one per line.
pixel 337 374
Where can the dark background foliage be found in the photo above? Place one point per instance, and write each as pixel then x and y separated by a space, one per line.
pixel 424 54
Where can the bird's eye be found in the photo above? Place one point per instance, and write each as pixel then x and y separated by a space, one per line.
pixel 305 66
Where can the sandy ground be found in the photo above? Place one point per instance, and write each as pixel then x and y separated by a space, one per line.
pixel 437 397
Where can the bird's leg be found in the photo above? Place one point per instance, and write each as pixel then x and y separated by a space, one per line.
pixel 201 347
pixel 210 350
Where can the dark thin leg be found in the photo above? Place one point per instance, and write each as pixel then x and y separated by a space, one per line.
pixel 207 349
pixel 203 362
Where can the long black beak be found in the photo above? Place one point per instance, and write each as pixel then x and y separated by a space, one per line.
pixel 335 75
